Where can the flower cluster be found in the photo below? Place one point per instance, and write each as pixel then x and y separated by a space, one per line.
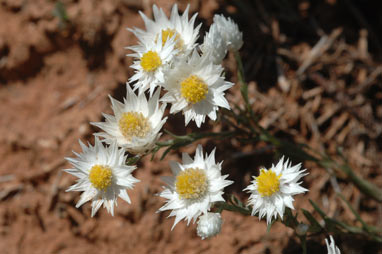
pixel 169 58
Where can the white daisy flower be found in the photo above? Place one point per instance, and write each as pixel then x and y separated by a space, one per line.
pixel 214 44
pixel 152 57
pixel 229 30
pixel 102 175
pixel 135 124
pixel 195 186
pixel 209 225
pixel 177 26
pixel 332 248
pixel 196 87
pixel 273 189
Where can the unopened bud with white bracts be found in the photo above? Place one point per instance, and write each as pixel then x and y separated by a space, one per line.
pixel 229 30
pixel 209 225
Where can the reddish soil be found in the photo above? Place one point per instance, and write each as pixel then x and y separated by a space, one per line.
pixel 56 74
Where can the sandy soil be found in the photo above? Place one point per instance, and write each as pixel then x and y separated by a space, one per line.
pixel 55 76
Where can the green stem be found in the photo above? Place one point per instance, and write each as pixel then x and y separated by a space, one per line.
pixel 228 207
pixel 241 77
pixel 363 185
pixel 291 149
pixel 358 217
pixel 180 141
pixel 243 85
pixel 303 244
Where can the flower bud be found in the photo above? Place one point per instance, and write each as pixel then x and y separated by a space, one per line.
pixel 209 225
pixel 229 30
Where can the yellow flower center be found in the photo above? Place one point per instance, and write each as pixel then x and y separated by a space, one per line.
pixel 191 183
pixel 168 34
pixel 150 61
pixel 133 124
pixel 193 89
pixel 268 183
pixel 100 177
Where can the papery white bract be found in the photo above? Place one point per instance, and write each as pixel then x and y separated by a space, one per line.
pixel 209 225
pixel 177 26
pixel 135 124
pixel 332 248
pixel 195 186
pixel 273 189
pixel 196 87
pixel 102 175
pixel 153 58
pixel 214 44
pixel 229 30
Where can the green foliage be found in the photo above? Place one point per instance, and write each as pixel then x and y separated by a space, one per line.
pixel 247 130
pixel 133 160
pixel 314 226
